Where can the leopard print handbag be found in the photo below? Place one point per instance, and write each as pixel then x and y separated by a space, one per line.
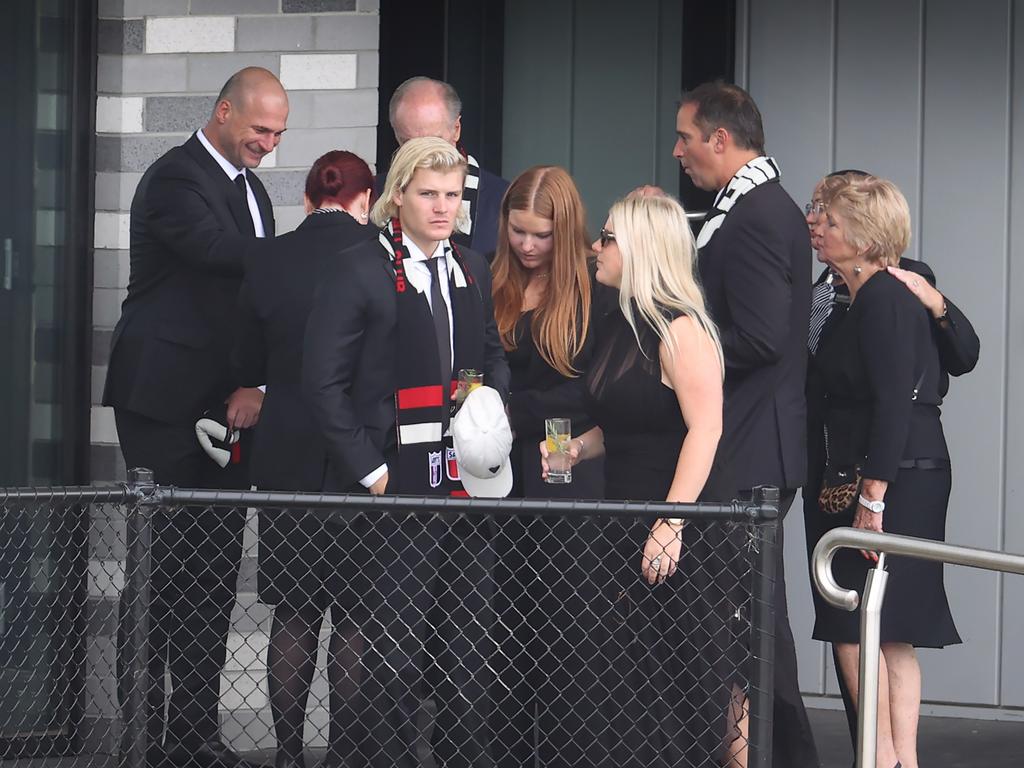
pixel 840 489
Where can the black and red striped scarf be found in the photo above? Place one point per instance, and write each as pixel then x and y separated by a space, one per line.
pixel 423 404
pixel 463 234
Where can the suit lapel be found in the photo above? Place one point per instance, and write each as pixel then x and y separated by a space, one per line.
pixel 265 205
pixel 225 187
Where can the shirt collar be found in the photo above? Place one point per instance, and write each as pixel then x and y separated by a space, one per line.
pixel 227 167
pixel 415 254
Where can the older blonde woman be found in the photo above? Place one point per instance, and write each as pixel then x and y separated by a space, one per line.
pixel 880 367
pixel 665 674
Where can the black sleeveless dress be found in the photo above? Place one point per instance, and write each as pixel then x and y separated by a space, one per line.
pixel 653 669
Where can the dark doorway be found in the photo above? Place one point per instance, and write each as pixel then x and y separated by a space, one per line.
pixel 709 53
pixel 47 54
pixel 458 41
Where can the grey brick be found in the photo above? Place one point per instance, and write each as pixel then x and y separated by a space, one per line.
pixel 234 7
pixel 209 71
pixel 98 376
pixel 110 268
pixel 285 33
pixel 101 346
pixel 177 114
pixel 153 73
pixel 284 187
pixel 306 145
pixel 359 32
pixel 300 110
pixel 136 8
pixel 110 9
pixel 367 69
pixel 317 6
pixel 288 217
pixel 345 109
pixel 131 153
pixel 109 74
pixel 369 6
pixel 101 617
pixel 108 536
pixel 106 464
pixel 120 35
pixel 114 191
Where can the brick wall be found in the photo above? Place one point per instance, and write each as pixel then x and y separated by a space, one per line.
pixel 161 64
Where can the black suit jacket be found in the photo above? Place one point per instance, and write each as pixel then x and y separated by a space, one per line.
pixel 756 276
pixel 349 370
pixel 281 276
pixel 170 353
pixel 959 349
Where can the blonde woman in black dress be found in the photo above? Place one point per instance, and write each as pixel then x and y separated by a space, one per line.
pixel 667 666
pixel 880 367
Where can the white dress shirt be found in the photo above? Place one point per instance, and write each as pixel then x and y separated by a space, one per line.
pixel 232 172
pixel 417 271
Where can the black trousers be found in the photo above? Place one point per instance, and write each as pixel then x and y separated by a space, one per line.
pixel 195 559
pixel 426 688
pixel 792 739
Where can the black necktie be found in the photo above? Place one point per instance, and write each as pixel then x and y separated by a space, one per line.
pixel 240 184
pixel 441 329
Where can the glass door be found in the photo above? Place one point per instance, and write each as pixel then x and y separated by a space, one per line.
pixel 46 89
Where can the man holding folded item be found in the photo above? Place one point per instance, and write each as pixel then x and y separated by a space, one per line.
pixel 390 324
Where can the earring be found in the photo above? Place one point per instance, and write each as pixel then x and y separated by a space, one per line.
pixel 363 215
pixel 857 269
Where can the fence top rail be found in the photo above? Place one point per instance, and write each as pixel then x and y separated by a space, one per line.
pixel 70 494
pixel 893 544
pixel 755 511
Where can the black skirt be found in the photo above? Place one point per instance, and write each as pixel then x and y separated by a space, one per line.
pixel 915 609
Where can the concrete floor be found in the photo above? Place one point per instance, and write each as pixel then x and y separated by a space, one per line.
pixel 944 743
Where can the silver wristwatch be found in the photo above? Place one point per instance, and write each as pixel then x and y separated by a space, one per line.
pixel 878 507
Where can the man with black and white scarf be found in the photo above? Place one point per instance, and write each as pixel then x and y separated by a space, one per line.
pixel 422 106
pixel 754 265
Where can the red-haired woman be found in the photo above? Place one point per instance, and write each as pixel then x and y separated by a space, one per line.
pixel 546 308
pixel 299 558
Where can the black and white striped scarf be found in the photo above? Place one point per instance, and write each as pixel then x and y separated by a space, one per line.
pixel 758 171
pixel 464 227
pixel 822 295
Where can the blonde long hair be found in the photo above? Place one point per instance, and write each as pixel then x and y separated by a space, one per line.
pixel 658 267
pixel 428 153
pixel 562 318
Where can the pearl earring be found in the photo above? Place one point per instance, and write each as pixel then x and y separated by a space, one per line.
pixel 857 269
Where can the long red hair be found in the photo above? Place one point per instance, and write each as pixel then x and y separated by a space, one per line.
pixel 562 319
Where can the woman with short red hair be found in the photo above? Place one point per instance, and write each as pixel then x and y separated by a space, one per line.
pixel 300 560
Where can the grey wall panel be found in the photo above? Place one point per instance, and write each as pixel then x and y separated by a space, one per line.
pixel 791 81
pixel 878 96
pixel 669 76
pixel 1012 677
pixel 537 85
pixel 790 78
pixel 616 103
pixel 963 236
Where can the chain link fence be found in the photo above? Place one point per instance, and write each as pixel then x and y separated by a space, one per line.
pixel 145 626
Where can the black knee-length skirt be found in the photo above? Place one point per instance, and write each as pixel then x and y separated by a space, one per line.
pixel 915 609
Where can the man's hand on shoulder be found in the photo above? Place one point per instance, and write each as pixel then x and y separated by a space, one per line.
pixel 244 406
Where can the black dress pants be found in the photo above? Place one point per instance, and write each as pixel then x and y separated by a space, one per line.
pixel 195 558
pixel 792 739
pixel 426 688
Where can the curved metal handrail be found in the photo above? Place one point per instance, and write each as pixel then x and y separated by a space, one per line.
pixel 893 544
pixel 874 594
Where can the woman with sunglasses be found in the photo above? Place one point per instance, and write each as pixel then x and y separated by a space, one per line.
pixel 667 660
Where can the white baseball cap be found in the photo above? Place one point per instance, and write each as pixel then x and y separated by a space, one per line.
pixel 483 441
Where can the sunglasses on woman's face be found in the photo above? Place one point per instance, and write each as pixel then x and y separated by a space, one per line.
pixel 606 237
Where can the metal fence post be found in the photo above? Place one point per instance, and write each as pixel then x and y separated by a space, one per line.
pixel 762 635
pixel 134 684
pixel 870 629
